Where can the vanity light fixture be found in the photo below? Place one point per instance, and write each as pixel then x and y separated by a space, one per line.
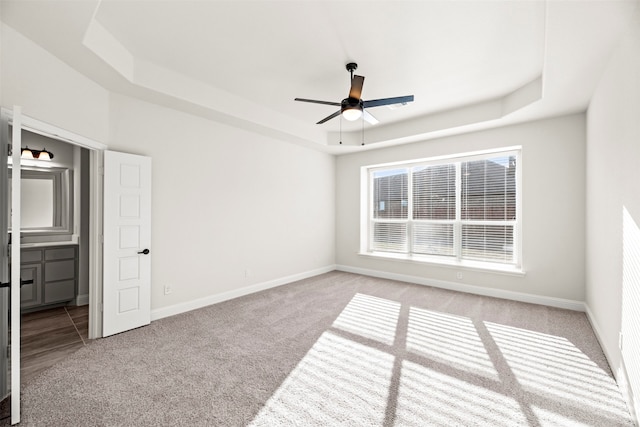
pixel 28 153
pixel 44 155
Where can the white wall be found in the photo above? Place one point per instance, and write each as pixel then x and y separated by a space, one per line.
pixel 553 207
pixel 613 184
pixel 226 201
pixel 49 90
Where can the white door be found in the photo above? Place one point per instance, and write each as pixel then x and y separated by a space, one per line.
pixel 16 149
pixel 127 242
pixel 4 255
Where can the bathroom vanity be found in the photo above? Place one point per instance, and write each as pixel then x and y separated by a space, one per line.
pixel 53 270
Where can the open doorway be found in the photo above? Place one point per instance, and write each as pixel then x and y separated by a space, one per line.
pixel 59 228
pixel 54 297
pixel 119 231
pixel 74 279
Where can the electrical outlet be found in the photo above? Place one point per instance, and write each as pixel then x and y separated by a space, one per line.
pixel 459 275
pixel 167 289
pixel 247 272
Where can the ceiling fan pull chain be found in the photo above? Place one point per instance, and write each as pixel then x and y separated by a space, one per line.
pixel 340 129
pixel 362 129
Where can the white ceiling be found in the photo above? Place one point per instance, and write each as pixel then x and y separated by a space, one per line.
pixel 469 64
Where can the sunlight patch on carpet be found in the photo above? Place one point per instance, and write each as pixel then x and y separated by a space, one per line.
pixel 550 365
pixel 445 376
pixel 370 317
pixel 449 339
pixel 428 395
pixel 550 418
pixel 337 382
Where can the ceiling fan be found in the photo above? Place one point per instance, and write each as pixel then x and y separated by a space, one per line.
pixel 353 107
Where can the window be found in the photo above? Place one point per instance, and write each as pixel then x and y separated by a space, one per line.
pixel 461 210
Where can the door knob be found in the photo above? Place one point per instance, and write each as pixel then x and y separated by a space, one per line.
pixel 144 252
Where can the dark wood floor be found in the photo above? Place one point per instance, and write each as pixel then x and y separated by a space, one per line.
pixel 49 336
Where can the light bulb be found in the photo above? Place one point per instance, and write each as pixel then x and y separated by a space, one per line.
pixel 352 114
pixel 26 153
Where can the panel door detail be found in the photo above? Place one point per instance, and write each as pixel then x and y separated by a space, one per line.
pixel 127 233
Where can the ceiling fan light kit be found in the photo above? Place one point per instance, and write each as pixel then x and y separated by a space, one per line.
pixel 353 107
pixel 352 113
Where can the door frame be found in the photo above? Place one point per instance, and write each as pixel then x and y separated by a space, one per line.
pixel 96 155
pixel 4 241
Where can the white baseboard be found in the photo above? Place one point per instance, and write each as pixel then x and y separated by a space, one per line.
pixel 598 332
pixel 619 372
pixel 225 296
pixel 471 289
pixel 82 299
pixel 460 287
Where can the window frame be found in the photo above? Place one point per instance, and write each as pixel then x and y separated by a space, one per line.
pixel 456 261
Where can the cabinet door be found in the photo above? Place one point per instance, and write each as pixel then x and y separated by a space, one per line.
pixel 60 291
pixel 31 294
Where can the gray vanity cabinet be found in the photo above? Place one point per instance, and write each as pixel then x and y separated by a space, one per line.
pixel 54 271
pixel 31 293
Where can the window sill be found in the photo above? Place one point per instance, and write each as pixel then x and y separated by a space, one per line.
pixel 485 267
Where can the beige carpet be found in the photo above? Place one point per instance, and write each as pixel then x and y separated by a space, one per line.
pixel 339 349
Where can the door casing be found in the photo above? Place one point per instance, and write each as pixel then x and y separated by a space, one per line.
pixel 4 253
pixel 96 150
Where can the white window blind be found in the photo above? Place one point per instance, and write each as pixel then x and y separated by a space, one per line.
pixel 488 208
pixel 390 211
pixel 464 209
pixel 434 209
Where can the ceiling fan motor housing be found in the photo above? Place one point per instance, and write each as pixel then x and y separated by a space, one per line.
pixel 351 108
pixel 350 103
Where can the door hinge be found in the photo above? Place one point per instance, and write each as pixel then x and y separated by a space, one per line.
pixel 9 351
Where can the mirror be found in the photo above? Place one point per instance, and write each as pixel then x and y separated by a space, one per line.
pixel 46 200
pixel 37 202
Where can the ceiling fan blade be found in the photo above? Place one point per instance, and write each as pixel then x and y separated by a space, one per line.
pixel 336 104
pixel 387 101
pixel 336 114
pixel 356 87
pixel 369 118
